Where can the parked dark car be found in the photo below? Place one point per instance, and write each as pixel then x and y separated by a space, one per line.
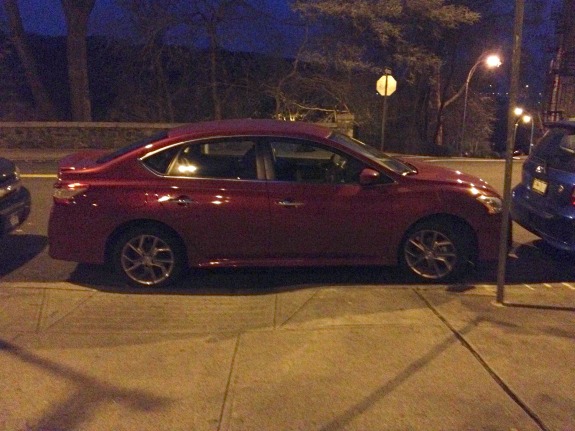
pixel 267 193
pixel 15 202
pixel 544 201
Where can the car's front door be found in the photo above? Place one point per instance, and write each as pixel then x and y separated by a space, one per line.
pixel 314 193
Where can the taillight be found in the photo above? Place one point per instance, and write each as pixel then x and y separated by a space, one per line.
pixel 64 193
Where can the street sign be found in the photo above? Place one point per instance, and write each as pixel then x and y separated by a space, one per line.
pixel 386 85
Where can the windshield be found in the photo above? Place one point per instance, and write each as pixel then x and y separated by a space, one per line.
pixel 138 144
pixel 374 154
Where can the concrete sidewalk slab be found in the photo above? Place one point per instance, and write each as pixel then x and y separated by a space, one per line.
pixel 380 377
pixel 317 357
pixel 531 349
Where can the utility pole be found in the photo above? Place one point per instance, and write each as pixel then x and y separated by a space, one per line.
pixel 513 92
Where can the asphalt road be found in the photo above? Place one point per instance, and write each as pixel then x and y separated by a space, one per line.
pixel 25 255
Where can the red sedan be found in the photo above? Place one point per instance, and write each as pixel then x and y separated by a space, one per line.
pixel 267 193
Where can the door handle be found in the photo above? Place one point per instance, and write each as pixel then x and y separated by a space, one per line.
pixel 183 201
pixel 289 203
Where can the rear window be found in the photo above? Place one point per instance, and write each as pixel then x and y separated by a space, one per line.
pixel 138 144
pixel 549 150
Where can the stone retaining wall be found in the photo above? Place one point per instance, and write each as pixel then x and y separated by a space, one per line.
pixel 55 135
pixel 48 135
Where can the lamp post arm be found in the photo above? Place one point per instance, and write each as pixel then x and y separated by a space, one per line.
pixel 464 87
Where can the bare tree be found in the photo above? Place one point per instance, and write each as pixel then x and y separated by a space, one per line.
pixel 44 107
pixel 77 13
pixel 212 18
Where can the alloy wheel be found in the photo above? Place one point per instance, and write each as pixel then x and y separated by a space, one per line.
pixel 147 260
pixel 430 254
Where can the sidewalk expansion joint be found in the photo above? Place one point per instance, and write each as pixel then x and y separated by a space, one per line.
pixel 229 383
pixel 498 379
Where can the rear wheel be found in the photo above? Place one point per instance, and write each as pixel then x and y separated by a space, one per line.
pixel 437 251
pixel 149 257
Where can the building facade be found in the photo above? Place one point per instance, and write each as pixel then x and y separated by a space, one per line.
pixel 560 89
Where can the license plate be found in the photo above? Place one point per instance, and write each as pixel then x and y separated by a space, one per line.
pixel 539 186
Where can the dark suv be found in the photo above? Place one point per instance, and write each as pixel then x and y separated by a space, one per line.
pixel 15 199
pixel 544 202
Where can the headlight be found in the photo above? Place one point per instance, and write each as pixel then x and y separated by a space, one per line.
pixel 14 184
pixel 493 204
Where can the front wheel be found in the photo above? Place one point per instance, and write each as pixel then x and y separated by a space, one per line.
pixel 436 251
pixel 148 257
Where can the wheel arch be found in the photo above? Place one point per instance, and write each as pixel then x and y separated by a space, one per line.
pixel 140 223
pixel 451 220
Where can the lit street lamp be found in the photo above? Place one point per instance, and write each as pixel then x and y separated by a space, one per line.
pixel 491 61
pixel 526 118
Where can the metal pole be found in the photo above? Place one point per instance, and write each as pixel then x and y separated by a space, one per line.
pixel 532 131
pixel 511 128
pixel 464 113
pixel 383 121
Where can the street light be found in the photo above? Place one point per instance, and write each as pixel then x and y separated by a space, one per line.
pixel 491 61
pixel 526 118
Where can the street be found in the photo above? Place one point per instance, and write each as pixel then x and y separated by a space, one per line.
pixel 25 257
pixel 283 349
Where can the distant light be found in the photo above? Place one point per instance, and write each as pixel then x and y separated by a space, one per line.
pixel 493 61
pixel 526 118
pixel 518 111
pixel 184 169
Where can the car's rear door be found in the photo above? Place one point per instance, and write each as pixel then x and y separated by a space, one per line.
pixel 212 193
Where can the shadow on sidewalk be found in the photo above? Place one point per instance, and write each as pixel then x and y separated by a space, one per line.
pixel 18 250
pixel 86 397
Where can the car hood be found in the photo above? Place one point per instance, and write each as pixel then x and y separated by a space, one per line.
pixel 81 160
pixel 438 174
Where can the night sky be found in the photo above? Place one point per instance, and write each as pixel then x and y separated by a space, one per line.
pixel 46 17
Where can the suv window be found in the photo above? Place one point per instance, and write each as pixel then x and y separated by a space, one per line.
pixel 549 151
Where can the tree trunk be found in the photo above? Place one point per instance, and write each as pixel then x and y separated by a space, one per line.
pixel 214 72
pixel 77 13
pixel 44 107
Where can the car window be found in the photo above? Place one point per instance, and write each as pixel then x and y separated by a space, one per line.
pixel 228 159
pixel 391 163
pixel 549 151
pixel 304 161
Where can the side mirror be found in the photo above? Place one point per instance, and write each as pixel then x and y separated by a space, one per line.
pixel 368 177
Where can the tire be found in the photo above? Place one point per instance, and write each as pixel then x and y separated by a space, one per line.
pixel 149 257
pixel 437 251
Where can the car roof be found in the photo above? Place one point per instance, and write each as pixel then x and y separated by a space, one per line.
pixel 248 126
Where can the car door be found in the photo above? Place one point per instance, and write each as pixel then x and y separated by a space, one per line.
pixel 214 195
pixel 316 203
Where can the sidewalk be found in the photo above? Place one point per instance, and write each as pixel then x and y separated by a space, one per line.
pixel 303 357
pixel 35 155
